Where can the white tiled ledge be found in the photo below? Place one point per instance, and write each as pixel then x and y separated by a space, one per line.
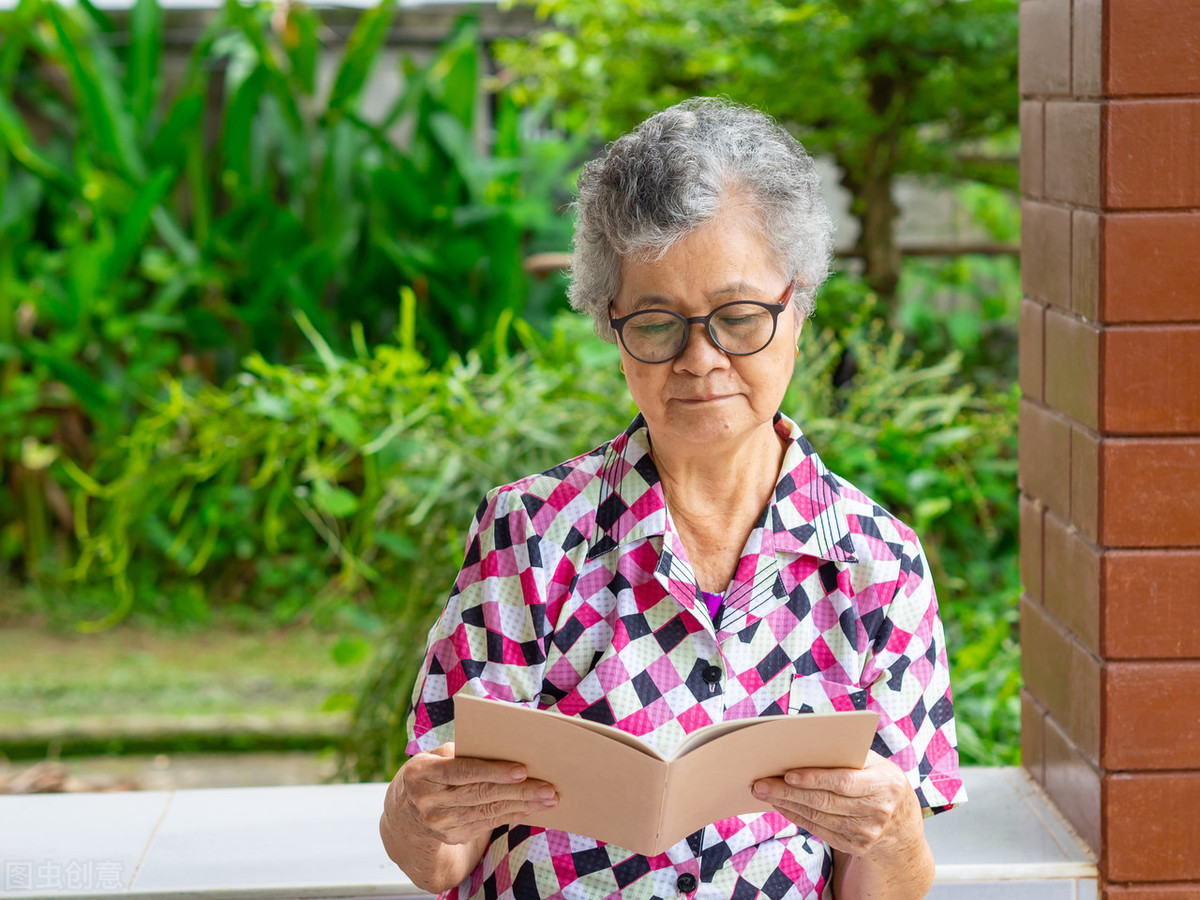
pixel 305 843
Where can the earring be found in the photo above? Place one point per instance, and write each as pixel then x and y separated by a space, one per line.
pixel 797 351
pixel 622 367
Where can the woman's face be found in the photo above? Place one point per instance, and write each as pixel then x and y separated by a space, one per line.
pixel 705 396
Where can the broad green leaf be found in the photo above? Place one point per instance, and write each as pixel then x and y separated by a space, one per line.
pixel 238 128
pixel 349 651
pixel 456 74
pixel 337 501
pixel 362 47
pixel 135 223
pixel 303 45
pixel 398 545
pixel 456 142
pixel 99 18
pixel 19 141
pixel 94 78
pixel 256 29
pixel 15 25
pixel 345 425
pixel 82 383
pixel 142 73
pixel 339 701
pixel 180 131
pixel 20 195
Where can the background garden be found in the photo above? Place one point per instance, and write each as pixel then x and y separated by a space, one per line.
pixel 265 341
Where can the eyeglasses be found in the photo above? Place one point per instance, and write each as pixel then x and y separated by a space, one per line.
pixel 741 328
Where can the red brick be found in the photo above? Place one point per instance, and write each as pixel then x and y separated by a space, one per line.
pixel 1031 349
pixel 1085 263
pixel 1072 168
pixel 1152 830
pixel 1045 49
pixel 1151 491
pixel 1046 253
pixel 1151 380
pixel 1074 785
pixel 1153 47
pixel 1033 737
pixel 1087 500
pixel 1071 581
pixel 1151 159
pixel 1033 155
pixel 1087 36
pixel 1031 546
pixel 1190 891
pixel 1149 267
pixel 1073 367
pixel 1150 715
pixel 1044 460
pixel 1141 592
pixel 1063 676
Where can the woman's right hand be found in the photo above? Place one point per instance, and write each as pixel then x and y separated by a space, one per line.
pixel 438 796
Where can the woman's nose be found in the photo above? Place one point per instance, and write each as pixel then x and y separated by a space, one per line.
pixel 700 354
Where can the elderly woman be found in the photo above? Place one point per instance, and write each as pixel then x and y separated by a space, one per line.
pixel 704 565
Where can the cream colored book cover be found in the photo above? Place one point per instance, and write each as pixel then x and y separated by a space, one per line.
pixel 616 788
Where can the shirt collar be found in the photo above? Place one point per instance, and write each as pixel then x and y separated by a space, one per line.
pixel 806 516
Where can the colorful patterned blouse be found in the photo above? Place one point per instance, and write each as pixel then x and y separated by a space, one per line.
pixel 576 595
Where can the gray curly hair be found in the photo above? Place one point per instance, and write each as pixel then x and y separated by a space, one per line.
pixel 674 173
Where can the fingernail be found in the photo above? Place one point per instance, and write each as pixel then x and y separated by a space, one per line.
pixel 760 791
pixel 546 793
pixel 550 801
pixel 517 773
pixel 792 778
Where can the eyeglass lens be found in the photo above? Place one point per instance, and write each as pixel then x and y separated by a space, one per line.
pixel 738 328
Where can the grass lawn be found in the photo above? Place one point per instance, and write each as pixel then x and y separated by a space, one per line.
pixel 131 671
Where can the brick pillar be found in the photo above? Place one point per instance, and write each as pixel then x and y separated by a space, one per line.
pixel 1110 430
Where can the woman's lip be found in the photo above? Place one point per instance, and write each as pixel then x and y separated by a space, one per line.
pixel 707 399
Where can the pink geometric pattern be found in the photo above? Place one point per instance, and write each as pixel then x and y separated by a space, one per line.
pixel 576 595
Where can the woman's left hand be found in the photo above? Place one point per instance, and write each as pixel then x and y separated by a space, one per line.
pixel 869 811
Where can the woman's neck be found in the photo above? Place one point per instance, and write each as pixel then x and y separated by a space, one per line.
pixel 714 477
pixel 715 495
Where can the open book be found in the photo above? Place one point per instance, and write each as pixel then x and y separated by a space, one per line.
pixel 616 788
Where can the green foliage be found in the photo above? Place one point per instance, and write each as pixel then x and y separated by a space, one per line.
pixel 968 304
pixel 347 483
pixel 884 87
pixel 848 74
pixel 147 231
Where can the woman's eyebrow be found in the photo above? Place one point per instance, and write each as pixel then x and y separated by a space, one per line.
pixel 650 301
pixel 737 289
pixel 658 301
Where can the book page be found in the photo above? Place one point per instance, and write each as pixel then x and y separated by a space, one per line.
pixel 608 789
pixel 713 781
pixel 706 733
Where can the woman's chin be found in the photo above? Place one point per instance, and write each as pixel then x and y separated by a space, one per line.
pixel 703 423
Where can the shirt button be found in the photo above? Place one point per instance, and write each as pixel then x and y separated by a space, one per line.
pixel 711 674
pixel 686 883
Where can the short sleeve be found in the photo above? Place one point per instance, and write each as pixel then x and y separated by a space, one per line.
pixel 491 637
pixel 908 678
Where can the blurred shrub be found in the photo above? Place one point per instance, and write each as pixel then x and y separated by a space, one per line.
pixel 306 490
pixel 156 223
pixel 968 304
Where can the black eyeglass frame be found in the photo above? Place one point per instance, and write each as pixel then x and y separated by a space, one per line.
pixel 775 309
